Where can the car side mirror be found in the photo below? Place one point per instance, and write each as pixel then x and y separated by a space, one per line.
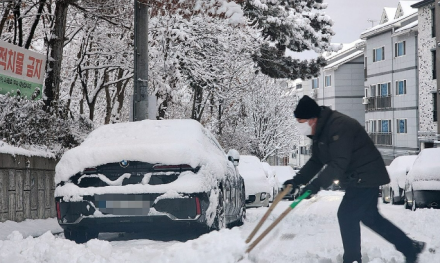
pixel 234 157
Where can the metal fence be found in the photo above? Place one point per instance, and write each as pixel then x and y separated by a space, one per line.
pixel 378 103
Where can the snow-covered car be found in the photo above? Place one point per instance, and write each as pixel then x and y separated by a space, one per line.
pixel 258 189
pixel 393 192
pixel 284 173
pixel 422 185
pixel 273 180
pixel 141 175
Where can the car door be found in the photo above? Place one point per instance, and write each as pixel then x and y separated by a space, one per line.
pixel 233 184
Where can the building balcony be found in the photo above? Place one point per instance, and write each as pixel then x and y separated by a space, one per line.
pixel 428 136
pixel 382 138
pixel 378 103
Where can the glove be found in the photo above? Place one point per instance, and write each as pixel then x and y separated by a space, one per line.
pixel 290 181
pixel 295 187
pixel 312 187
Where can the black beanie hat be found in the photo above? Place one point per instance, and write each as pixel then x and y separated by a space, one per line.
pixel 307 108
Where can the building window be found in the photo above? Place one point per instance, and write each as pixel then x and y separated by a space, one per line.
pixel 434 99
pixel 315 83
pixel 373 91
pixel 328 81
pixel 401 126
pixel 371 126
pixel 384 126
pixel 433 22
pixel 365 68
pixel 400 49
pixel 434 64
pixel 383 89
pixel 299 86
pixel 400 87
pixel 378 54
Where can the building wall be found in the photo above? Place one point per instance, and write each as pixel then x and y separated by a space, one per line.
pixel 296 158
pixel 427 86
pixel 349 81
pixel 404 106
pixel 26 188
pixel 379 67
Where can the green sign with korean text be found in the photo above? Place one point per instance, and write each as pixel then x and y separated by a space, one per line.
pixel 20 87
pixel 21 71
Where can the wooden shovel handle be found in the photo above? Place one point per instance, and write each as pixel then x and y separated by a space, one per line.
pixel 266 215
pixel 284 214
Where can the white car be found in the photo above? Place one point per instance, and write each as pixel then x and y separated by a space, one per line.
pixel 257 186
pixel 284 173
pixel 397 170
pixel 422 185
pixel 273 179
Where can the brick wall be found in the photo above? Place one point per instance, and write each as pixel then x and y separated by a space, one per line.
pixel 26 187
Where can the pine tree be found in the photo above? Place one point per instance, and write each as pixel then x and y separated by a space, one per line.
pixel 297 25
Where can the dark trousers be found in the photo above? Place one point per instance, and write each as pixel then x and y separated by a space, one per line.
pixel 360 205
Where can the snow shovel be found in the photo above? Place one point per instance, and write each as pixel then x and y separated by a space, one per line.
pixel 284 214
pixel 266 215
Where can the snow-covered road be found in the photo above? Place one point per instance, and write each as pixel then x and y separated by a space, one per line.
pixel 309 233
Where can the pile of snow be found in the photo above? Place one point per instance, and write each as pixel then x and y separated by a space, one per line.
pixel 308 234
pixel 29 151
pixel 398 169
pixel 170 142
pixel 252 171
pixel 284 173
pixel 35 227
pixel 425 172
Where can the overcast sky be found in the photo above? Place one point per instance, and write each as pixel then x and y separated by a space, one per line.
pixel 351 17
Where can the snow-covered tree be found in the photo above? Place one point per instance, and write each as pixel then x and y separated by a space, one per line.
pixel 264 123
pixel 296 25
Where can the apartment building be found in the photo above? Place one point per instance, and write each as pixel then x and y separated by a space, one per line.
pixel 428 71
pixel 301 151
pixel 340 85
pixel 391 81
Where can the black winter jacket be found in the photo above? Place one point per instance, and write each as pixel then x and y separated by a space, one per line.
pixel 342 146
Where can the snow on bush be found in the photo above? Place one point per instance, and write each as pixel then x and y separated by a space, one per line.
pixel 24 124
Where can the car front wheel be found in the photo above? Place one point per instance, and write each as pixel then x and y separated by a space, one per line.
pixel 242 216
pixel 413 205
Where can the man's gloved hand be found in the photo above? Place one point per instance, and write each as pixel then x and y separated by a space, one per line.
pixel 312 187
pixel 290 181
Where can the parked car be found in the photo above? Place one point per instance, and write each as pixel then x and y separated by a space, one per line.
pixel 142 175
pixel 393 192
pixel 284 173
pixel 273 180
pixel 258 189
pixel 422 185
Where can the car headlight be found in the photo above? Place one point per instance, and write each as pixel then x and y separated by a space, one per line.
pixel 263 196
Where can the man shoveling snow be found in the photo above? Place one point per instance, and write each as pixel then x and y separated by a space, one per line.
pixel 343 146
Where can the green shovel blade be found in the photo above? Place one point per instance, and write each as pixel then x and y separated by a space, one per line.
pixel 300 198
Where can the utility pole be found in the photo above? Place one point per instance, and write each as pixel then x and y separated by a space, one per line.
pixel 143 106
